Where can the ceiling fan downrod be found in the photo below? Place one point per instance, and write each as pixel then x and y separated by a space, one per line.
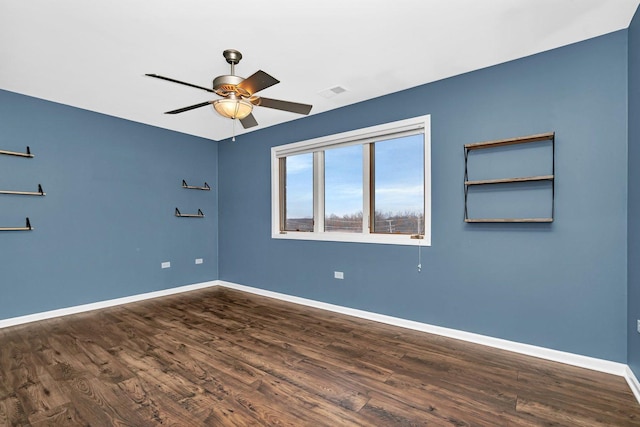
pixel 233 57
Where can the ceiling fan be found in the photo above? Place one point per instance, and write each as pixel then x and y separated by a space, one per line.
pixel 239 94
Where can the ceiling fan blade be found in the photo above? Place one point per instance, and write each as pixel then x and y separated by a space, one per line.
pixel 191 107
pixel 257 81
pixel 179 82
pixel 277 104
pixel 249 122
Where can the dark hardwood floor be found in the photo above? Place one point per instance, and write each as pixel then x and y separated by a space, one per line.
pixel 219 357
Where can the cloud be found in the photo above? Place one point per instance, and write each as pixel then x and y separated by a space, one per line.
pixel 299 163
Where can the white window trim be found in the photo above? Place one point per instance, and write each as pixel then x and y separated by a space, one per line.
pixel 360 136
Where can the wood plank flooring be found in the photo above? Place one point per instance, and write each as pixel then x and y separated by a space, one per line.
pixel 219 357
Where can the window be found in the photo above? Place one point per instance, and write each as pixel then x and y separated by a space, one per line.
pixel 298 195
pixel 371 185
pixel 398 183
pixel 343 189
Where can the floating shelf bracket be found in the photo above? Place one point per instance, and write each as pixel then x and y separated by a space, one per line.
pixel 193 187
pixel 13 153
pixel 40 192
pixel 27 227
pixel 197 215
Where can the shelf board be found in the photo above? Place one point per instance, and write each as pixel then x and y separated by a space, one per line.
pixel 195 187
pixel 200 214
pixel 13 153
pixel 508 180
pixel 510 141
pixel 508 220
pixel 27 227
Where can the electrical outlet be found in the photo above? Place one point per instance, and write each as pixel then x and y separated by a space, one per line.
pixel 338 275
pixel 198 260
pixel 165 264
pixel 638 326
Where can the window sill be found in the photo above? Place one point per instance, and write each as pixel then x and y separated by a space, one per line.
pixel 381 239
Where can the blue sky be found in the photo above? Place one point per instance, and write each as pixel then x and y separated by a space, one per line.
pixel 399 185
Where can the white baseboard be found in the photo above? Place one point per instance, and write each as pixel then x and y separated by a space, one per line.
pixel 5 323
pixel 632 380
pixel 592 363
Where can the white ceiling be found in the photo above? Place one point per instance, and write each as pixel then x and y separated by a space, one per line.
pixel 94 54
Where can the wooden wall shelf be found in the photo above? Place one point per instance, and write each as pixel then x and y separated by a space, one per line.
pixel 507 220
pixel 14 153
pixel 27 227
pixel 510 141
pixel 193 187
pixel 508 180
pixel 502 143
pixel 40 192
pixel 196 215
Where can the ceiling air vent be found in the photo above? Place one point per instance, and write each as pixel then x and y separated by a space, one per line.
pixel 332 91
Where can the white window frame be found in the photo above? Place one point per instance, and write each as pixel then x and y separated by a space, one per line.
pixel 317 146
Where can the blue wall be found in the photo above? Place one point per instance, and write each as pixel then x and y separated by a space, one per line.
pixel 107 220
pixel 633 358
pixel 561 286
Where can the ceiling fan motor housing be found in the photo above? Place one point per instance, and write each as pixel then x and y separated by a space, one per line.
pixel 224 85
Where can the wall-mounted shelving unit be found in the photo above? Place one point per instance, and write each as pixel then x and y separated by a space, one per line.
pixel 199 214
pixel 40 192
pixel 514 180
pixel 196 215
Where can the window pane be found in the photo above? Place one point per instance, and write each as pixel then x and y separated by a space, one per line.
pixel 298 193
pixel 343 189
pixel 399 185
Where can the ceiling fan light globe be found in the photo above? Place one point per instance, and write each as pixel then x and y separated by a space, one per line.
pixel 233 108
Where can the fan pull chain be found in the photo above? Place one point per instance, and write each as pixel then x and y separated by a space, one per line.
pixel 235 114
pixel 233 135
pixel 419 256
